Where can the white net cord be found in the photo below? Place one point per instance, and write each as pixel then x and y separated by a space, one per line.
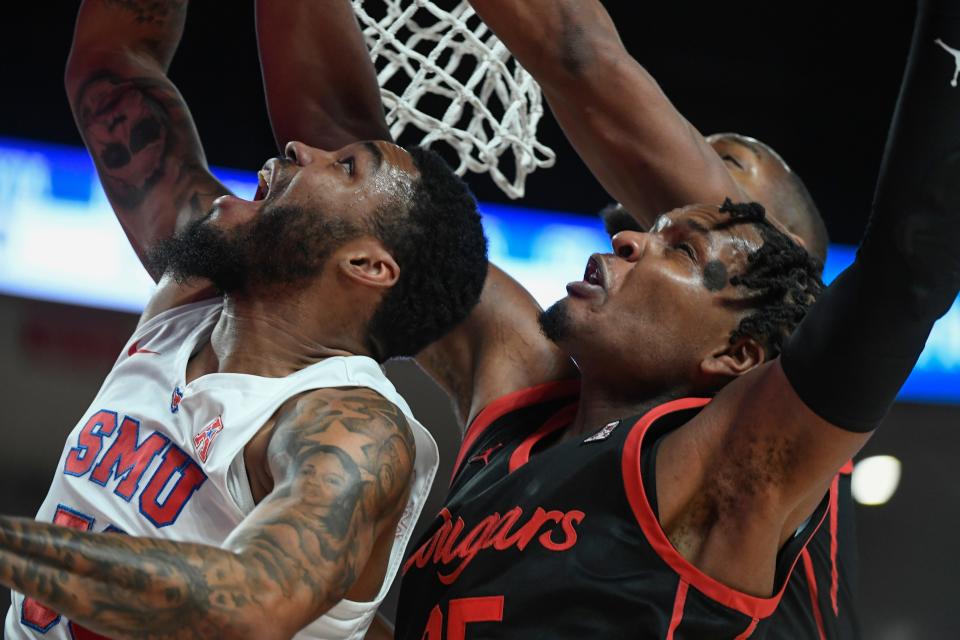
pixel 429 61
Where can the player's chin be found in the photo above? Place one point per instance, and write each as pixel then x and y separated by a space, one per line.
pixel 557 322
pixel 230 211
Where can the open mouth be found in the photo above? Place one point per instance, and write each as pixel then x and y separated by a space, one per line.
pixel 594 284
pixel 263 184
pixel 593 274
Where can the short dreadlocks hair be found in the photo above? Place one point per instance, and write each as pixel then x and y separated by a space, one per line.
pixel 782 277
pixel 436 238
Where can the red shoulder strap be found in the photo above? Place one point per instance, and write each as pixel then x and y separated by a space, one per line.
pixel 508 403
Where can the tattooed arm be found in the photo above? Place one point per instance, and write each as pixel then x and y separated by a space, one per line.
pixel 136 124
pixel 341 462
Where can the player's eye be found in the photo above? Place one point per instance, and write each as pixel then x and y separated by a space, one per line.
pixel 729 158
pixel 687 249
pixel 348 164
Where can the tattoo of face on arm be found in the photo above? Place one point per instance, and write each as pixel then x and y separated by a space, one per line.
pixel 342 460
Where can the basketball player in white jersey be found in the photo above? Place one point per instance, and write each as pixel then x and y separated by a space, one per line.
pixel 246 470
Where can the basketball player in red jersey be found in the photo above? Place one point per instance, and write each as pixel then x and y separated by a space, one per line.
pixel 755 468
pixel 651 159
pixel 629 513
pixel 249 444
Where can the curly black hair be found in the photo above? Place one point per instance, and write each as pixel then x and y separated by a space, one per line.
pixel 782 277
pixel 616 219
pixel 436 238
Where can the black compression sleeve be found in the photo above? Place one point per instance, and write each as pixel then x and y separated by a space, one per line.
pixel 851 354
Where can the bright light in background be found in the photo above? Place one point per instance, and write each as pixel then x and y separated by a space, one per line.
pixel 59 241
pixel 875 480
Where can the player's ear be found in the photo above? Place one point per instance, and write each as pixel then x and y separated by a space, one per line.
pixel 734 359
pixel 366 261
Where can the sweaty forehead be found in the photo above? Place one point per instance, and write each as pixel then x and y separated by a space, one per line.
pixel 392 171
pixel 727 238
pixel 396 157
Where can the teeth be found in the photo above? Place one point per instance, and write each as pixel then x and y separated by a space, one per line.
pixel 592 275
pixel 263 187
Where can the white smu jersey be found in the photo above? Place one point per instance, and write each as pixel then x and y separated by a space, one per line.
pixel 155 456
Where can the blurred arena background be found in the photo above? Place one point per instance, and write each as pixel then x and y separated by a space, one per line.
pixel 816 80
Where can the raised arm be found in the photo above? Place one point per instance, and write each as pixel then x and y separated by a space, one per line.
pixel 320 82
pixel 341 461
pixel 771 441
pixel 134 122
pixel 497 350
pixel 322 89
pixel 644 153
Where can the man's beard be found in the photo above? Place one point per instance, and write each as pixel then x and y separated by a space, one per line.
pixel 555 321
pixel 283 245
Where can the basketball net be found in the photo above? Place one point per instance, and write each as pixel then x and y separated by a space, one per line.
pixel 446 74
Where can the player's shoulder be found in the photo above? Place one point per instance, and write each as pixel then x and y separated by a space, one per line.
pixel 341 412
pixel 353 428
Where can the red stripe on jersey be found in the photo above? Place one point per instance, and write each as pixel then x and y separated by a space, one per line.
pixel 678 603
pixel 812 586
pixel 834 521
pixel 752 606
pixel 521 455
pixel 511 402
pixel 847 469
pixel 749 630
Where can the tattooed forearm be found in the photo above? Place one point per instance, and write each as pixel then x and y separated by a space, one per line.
pixel 133 120
pixel 148 155
pixel 141 137
pixel 150 11
pixel 342 460
pixel 128 587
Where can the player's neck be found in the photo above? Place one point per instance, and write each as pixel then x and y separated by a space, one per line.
pixel 600 404
pixel 269 339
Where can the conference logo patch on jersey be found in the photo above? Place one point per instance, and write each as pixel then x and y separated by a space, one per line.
pixel 204 440
pixel 175 400
pixel 604 433
pixel 135 349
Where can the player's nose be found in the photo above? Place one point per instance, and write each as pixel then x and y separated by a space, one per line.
pixel 629 245
pixel 300 153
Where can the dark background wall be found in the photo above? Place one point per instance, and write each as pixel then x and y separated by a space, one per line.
pixel 816 79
